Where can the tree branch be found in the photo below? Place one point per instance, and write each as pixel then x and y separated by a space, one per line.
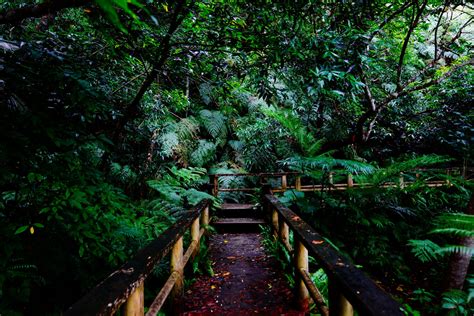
pixel 38 10
pixel 389 18
pixel 132 110
pixel 412 27
pixel 362 135
pixel 436 30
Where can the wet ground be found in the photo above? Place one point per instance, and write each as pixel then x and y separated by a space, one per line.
pixel 246 281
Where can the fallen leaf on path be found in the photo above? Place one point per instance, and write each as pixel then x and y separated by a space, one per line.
pixel 317 242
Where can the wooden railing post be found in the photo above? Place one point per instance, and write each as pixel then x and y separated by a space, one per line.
pixel 301 262
pixel 176 266
pixel 338 304
pixel 205 217
pixel 135 304
pixel 284 183
pixel 275 222
pixel 350 181
pixel 284 232
pixel 401 181
pixel 215 183
pixel 195 235
pixel 298 183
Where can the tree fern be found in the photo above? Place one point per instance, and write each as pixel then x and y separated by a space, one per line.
pixel 455 224
pixel 168 141
pixel 180 186
pixel 392 172
pixel 310 147
pixel 326 162
pixel 174 135
pixel 204 153
pixel 187 128
pixel 214 122
pixel 258 158
pixel 306 141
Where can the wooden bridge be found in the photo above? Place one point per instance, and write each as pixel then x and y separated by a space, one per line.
pixel 349 288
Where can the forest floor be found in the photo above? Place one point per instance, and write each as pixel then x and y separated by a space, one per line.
pixel 246 281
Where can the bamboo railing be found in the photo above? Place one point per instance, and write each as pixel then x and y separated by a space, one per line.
pixel 125 287
pixel 330 185
pixel 349 288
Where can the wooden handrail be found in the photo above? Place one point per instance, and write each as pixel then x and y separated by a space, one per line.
pixel 126 282
pixel 330 186
pixel 347 283
pixel 263 174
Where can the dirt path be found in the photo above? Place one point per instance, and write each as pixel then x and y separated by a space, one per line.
pixel 246 282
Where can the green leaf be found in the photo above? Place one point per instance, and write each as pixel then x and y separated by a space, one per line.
pixel 21 229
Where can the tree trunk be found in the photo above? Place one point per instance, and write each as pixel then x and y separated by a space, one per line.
pixel 459 262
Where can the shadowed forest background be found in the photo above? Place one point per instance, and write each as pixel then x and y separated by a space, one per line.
pixel 114 112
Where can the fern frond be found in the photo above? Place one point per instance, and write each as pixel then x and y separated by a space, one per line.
pixel 425 250
pixel 174 136
pixel 325 162
pixel 392 172
pixel 204 153
pixel 214 122
pixel 454 232
pixel 258 158
pixel 187 128
pixel 169 141
pixel 306 141
pixel 452 249
pixel 456 224
pixel 194 197
pixel 236 145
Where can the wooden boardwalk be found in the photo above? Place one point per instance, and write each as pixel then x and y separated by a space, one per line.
pixel 246 281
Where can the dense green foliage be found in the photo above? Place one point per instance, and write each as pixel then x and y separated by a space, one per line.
pixel 113 112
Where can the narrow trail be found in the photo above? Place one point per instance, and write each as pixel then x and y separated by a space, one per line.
pixel 246 281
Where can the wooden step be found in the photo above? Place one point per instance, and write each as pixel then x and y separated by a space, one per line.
pixel 239 221
pixel 238 210
pixel 235 206
pixel 238 224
